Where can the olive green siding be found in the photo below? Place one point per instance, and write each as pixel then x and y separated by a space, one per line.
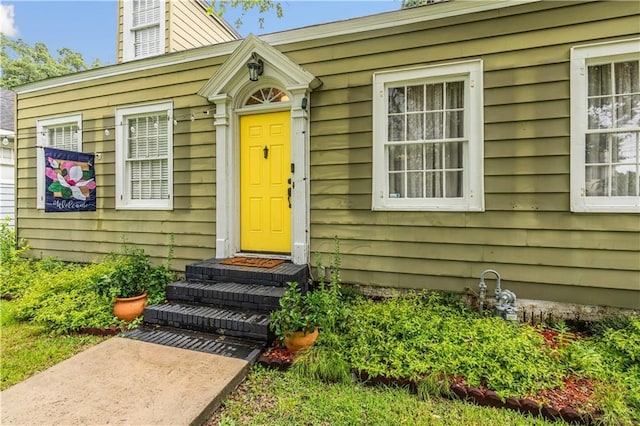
pixel 527 232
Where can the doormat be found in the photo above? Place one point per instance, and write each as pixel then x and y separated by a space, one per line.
pixel 255 262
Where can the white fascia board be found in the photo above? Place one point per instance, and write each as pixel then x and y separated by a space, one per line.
pixel 349 26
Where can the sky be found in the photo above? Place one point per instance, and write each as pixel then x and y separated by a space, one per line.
pixel 89 26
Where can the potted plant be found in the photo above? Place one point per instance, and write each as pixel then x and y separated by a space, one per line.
pixel 300 315
pixel 131 281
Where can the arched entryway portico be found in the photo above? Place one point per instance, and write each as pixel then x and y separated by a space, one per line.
pixel 283 87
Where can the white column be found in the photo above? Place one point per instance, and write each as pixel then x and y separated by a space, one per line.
pixel 300 177
pixel 223 171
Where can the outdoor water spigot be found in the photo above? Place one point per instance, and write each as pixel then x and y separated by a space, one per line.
pixel 505 306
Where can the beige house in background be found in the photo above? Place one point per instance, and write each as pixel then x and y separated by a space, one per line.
pixel 434 142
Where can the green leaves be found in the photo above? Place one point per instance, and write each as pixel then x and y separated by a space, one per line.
pixel 22 63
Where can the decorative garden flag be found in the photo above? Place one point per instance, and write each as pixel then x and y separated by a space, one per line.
pixel 70 181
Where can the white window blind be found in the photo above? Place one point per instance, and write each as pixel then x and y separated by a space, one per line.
pixel 63 136
pixel 146 12
pixel 144 160
pixel 147 41
pixel 144 28
pixel 147 157
pixel 61 133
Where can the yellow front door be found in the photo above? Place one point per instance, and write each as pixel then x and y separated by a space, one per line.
pixel 265 163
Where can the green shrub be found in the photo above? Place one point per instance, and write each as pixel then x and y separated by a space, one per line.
pixel 418 336
pixel 60 297
pixel 10 247
pixel 134 274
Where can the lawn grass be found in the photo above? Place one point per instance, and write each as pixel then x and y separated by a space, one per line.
pixel 269 397
pixel 28 349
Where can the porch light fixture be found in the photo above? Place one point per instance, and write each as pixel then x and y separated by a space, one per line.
pixel 256 67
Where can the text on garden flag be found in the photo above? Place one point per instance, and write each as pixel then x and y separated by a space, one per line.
pixel 70 181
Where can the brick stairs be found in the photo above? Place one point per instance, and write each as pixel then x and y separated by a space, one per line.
pixel 221 309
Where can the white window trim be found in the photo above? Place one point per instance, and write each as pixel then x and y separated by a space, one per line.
pixel 474 129
pixel 123 202
pixel 43 141
pixel 581 57
pixel 128 32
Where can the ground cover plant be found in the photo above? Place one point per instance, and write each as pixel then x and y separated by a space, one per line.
pixel 269 397
pixel 435 340
pixel 66 297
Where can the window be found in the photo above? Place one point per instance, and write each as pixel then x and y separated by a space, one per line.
pixel 144 158
pixel 143 33
pixel 605 127
pixel 428 136
pixel 60 132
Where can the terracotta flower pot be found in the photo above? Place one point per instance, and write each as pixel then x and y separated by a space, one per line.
pixel 296 340
pixel 129 308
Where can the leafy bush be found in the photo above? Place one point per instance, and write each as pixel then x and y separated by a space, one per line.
pixel 10 247
pixel 132 275
pixel 61 299
pixel 417 336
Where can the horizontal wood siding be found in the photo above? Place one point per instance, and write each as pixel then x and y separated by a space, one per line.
pixel 190 27
pixel 527 232
pixel 89 236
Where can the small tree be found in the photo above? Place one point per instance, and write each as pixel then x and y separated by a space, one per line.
pixel 219 7
pixel 22 63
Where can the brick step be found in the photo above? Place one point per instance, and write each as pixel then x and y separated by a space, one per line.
pixel 252 297
pixel 212 270
pixel 196 341
pixel 210 319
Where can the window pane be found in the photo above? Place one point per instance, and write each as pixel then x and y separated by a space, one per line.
pixel 597 148
pixel 414 185
pixel 415 98
pixel 433 184
pixel 415 159
pixel 396 128
pixel 624 181
pixel 455 124
pixel 454 184
pixel 433 156
pixel 434 97
pixel 433 127
pixel 396 100
pixel 596 180
pixel 628 111
pixel 600 113
pixel 455 95
pixel 396 185
pixel 599 77
pixel 453 155
pixel 396 157
pixel 415 127
pixel 624 148
pixel 627 77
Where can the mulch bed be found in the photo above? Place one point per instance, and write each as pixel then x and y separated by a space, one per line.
pixel 569 402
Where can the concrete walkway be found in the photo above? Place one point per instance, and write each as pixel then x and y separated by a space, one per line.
pixel 124 381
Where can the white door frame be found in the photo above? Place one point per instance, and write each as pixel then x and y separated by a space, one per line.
pixel 228 89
